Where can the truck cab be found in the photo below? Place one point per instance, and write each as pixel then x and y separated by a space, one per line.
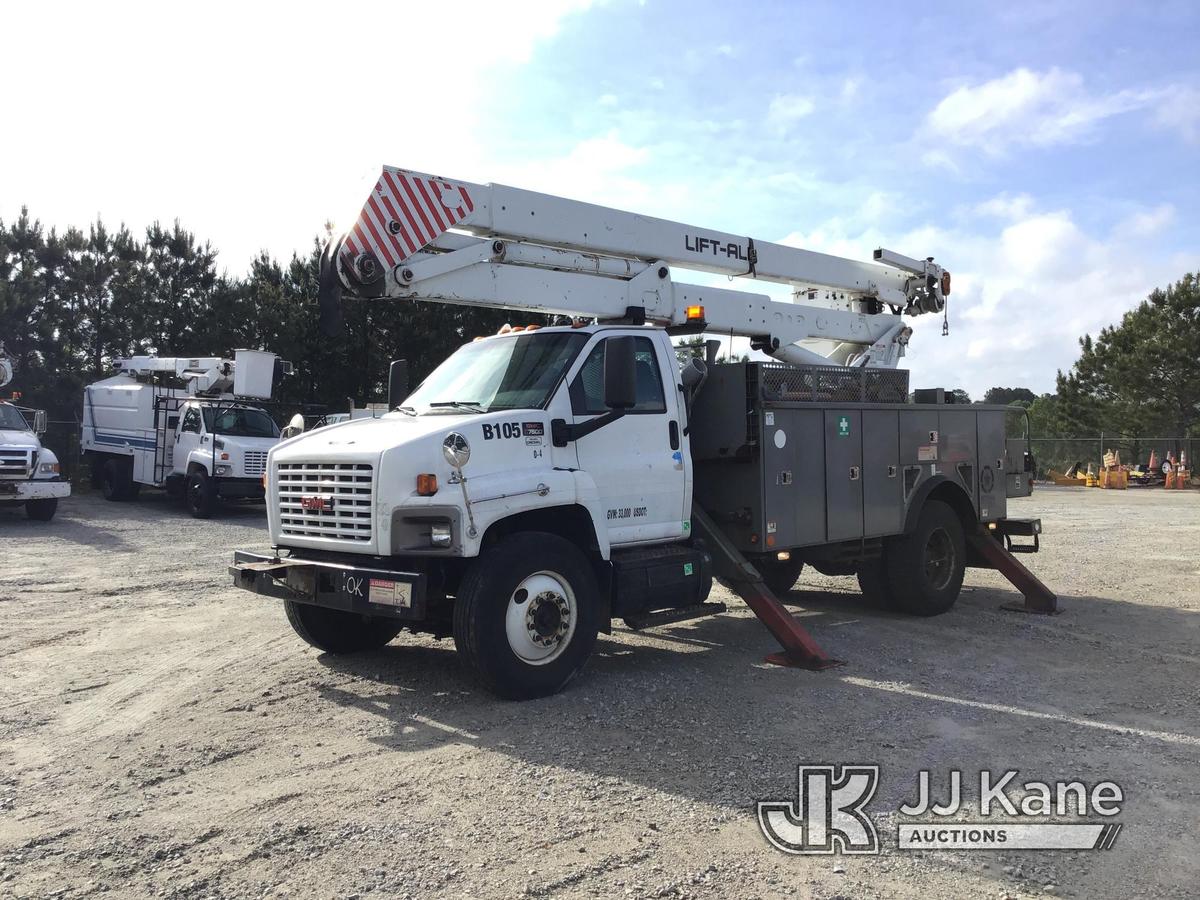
pixel 220 452
pixel 30 473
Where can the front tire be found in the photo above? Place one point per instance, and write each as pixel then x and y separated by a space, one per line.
pixel 336 631
pixel 200 494
pixel 41 510
pixel 525 617
pixel 925 568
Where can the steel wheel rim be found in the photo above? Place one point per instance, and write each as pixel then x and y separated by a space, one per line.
pixel 539 621
pixel 939 559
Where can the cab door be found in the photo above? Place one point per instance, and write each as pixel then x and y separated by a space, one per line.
pixel 187 438
pixel 637 461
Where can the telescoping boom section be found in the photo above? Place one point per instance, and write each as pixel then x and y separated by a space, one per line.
pixel 424 237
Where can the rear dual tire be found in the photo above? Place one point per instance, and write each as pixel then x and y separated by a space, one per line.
pixel 780 575
pixel 115 479
pixel 922 572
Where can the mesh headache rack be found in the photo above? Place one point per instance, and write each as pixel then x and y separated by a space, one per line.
pixel 825 384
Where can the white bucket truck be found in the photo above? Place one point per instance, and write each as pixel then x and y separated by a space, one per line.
pixel 29 473
pixel 544 481
pixel 204 442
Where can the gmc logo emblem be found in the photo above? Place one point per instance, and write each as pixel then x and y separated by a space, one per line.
pixel 316 504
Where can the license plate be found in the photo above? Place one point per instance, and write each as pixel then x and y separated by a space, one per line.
pixel 390 593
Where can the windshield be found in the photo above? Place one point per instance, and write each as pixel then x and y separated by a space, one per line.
pixel 11 418
pixel 239 422
pixel 503 373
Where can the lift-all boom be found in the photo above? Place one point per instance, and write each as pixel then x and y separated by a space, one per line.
pixel 424 237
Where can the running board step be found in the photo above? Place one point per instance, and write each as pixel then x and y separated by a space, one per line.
pixel 670 616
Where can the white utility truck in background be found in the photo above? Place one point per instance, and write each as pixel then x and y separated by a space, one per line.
pixel 30 473
pixel 544 481
pixel 205 441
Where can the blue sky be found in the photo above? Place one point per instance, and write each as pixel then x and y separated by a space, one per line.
pixel 1045 152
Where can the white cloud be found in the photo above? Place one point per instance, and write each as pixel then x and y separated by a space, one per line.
pixel 607 100
pixel 1027 284
pixel 1006 206
pixel 252 126
pixel 596 170
pixel 1179 110
pixel 1027 108
pixel 788 109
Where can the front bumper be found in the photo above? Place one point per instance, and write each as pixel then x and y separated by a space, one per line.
pixel 373 592
pixel 40 489
pixel 237 488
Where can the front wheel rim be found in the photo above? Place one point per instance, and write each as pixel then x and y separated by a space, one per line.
pixel 540 619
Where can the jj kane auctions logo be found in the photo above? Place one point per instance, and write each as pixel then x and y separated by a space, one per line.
pixel 829 814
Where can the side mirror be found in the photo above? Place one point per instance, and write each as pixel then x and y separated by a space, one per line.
pixel 397 382
pixel 39 422
pixel 620 373
pixel 293 428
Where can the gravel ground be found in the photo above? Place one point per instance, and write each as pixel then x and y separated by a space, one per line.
pixel 163 734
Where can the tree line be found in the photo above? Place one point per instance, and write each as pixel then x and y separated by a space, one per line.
pixel 72 302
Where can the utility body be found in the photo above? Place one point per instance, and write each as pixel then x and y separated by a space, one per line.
pixel 545 481
pixel 206 441
pixel 30 473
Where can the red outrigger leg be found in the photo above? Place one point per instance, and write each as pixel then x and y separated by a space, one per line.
pixel 1038 598
pixel 800 650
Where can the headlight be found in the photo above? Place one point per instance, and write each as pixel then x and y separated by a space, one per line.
pixel 222 470
pixel 440 535
pixel 49 468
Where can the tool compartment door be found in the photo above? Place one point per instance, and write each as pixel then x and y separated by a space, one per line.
pixel 843 475
pixel 883 499
pixel 993 501
pixel 793 442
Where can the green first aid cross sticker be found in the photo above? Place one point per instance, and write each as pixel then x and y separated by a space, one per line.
pixel 844 426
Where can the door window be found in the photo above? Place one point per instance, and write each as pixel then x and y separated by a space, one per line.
pixel 587 390
pixel 191 421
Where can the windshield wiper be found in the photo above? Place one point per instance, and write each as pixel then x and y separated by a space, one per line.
pixel 407 410
pixel 469 405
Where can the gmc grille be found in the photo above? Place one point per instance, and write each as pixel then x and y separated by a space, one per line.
pixel 254 462
pixel 346 489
